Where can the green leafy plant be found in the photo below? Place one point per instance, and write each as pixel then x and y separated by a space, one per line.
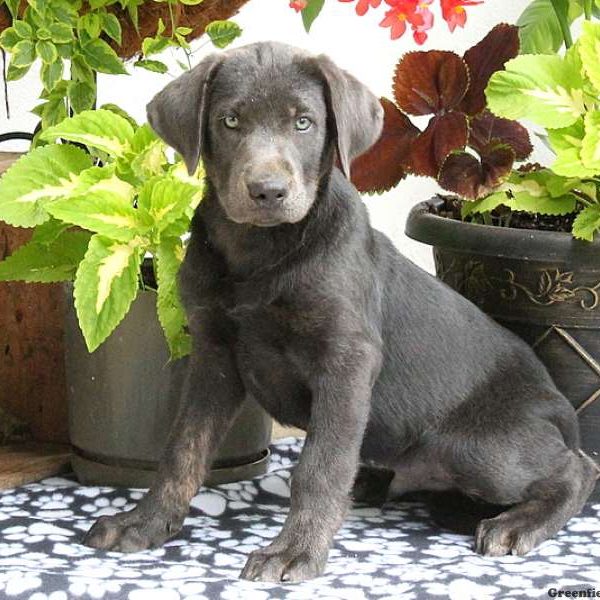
pixel 87 36
pixel 559 94
pixel 98 209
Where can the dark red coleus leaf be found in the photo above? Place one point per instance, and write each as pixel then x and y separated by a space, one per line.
pixel 443 135
pixel 430 82
pixel 384 164
pixel 463 174
pixel 485 58
pixel 487 128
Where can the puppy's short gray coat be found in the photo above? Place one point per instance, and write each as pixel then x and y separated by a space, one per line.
pixel 293 299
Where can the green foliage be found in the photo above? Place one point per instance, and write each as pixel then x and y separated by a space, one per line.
pixel 133 203
pixel 539 29
pixel 559 93
pixel 311 12
pixel 547 90
pixel 222 33
pixel 541 192
pixel 106 284
pixel 170 312
pixel 87 33
pixel 98 129
pixel 587 223
pixel 36 178
pixel 47 262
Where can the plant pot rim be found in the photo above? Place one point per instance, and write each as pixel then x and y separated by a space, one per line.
pixel 526 244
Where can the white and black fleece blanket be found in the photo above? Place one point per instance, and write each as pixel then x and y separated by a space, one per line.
pixel 389 553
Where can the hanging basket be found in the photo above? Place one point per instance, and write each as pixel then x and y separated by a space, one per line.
pixel 194 17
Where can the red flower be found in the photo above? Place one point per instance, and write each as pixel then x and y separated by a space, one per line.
pixel 454 13
pixel 420 31
pixel 363 5
pixel 414 12
pixel 298 5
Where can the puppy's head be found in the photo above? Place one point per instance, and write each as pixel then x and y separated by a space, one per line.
pixel 266 120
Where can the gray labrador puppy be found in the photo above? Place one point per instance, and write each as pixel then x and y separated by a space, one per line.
pixel 293 299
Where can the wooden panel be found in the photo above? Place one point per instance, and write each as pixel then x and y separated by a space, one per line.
pixel 32 372
pixel 6 159
pixel 25 463
pixel 281 431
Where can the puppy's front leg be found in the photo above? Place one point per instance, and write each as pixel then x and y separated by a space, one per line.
pixel 322 480
pixel 211 396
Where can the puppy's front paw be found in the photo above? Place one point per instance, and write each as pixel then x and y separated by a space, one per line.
pixel 289 565
pixel 131 531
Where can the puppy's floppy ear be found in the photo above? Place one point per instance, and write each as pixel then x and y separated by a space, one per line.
pixel 356 112
pixel 177 113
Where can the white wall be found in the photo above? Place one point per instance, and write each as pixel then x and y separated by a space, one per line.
pixel 355 43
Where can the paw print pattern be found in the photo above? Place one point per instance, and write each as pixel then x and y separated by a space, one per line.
pixel 386 553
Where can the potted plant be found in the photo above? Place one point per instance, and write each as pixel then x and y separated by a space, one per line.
pixel 99 209
pixel 109 211
pixel 517 241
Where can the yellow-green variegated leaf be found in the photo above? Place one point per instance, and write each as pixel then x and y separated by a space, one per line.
pixel 143 137
pixel 587 223
pixel 179 171
pixel 547 90
pixel 568 163
pixel 589 50
pixel 49 231
pixel 170 310
pixel 567 144
pixel 166 199
pixel 541 192
pixel 590 148
pixel 484 205
pixel 145 158
pixel 149 161
pixel 40 262
pixel 105 211
pixel 39 176
pixel 542 204
pixel 106 284
pixel 100 129
pixel 567 138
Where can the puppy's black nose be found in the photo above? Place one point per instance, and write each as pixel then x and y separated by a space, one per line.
pixel 268 191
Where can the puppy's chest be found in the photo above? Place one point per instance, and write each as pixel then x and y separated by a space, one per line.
pixel 288 329
pixel 276 350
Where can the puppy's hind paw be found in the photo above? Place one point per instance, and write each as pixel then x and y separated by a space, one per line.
pixel 501 536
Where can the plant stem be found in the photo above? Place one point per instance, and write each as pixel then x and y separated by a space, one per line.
pixel 564 24
pixel 172 17
pixel 587 9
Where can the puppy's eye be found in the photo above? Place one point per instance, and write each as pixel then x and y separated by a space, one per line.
pixel 231 122
pixel 303 123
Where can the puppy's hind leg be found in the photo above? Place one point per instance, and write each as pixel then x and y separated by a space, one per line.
pixel 547 506
pixel 371 485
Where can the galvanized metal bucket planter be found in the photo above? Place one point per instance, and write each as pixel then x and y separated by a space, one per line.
pixel 123 399
pixel 544 286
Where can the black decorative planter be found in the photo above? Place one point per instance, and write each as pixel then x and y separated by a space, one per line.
pixel 544 286
pixel 123 399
